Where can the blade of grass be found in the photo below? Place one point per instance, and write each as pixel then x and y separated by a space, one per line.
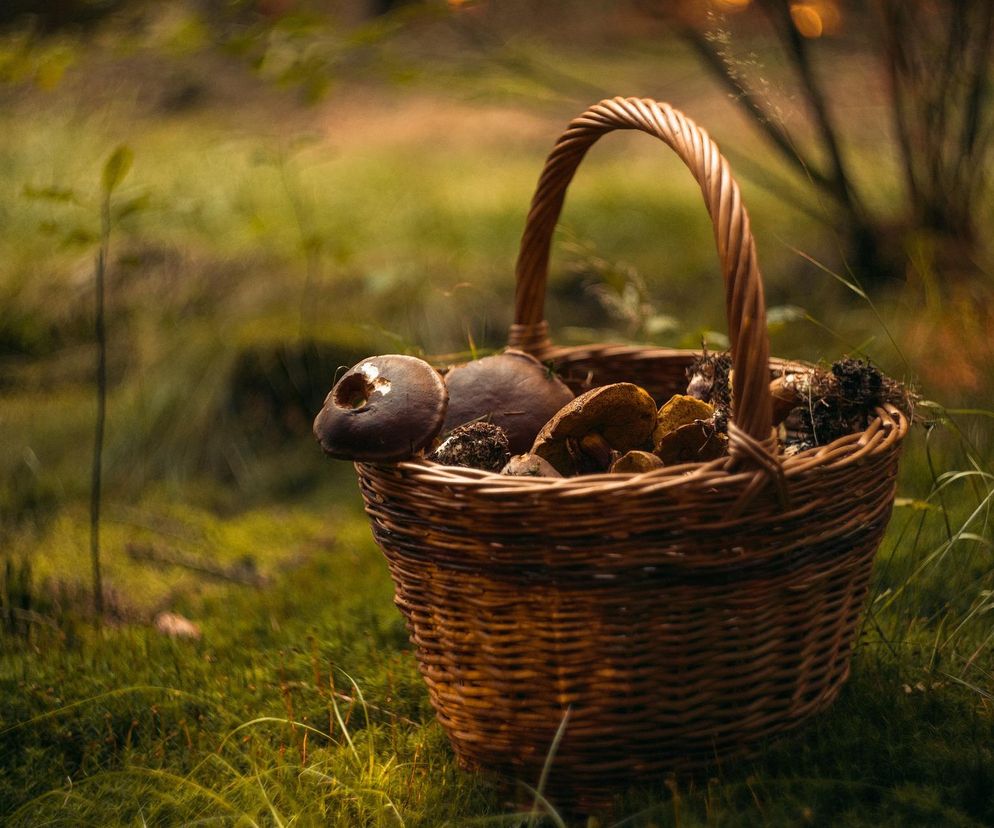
pixel 547 765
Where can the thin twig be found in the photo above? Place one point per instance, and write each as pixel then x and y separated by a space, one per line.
pixel 239 573
pixel 98 440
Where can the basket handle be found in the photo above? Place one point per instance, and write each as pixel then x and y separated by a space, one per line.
pixel 745 306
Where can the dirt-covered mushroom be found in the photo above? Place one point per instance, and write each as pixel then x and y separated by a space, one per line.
pixel 513 390
pixel 383 409
pixel 817 407
pixel 529 465
pixel 709 379
pixel 585 435
pixel 476 445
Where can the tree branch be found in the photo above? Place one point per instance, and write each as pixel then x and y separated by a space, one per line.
pixel 779 13
pixel 891 31
pixel 749 101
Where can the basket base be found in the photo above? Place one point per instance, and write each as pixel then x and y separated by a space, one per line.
pixel 654 680
pixel 573 790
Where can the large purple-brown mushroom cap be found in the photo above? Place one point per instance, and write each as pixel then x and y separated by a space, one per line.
pixel 513 390
pixel 384 409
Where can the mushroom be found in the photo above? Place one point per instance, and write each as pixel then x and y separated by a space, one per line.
pixel 825 405
pixel 474 446
pixel 384 409
pixel 709 379
pixel 586 433
pixel 694 442
pixel 687 432
pixel 513 390
pixel 636 462
pixel 679 410
pixel 529 465
pixel 786 397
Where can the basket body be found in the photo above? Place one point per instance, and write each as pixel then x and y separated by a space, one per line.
pixel 673 634
pixel 641 623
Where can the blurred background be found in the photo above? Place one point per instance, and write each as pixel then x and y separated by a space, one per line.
pixel 316 181
pixel 304 183
pixel 265 191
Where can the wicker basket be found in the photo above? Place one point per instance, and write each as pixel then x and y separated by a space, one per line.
pixel 679 615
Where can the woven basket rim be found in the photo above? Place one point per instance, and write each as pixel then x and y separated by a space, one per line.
pixel 890 425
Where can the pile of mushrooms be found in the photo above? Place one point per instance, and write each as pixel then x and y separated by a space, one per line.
pixel 391 408
pixel 510 414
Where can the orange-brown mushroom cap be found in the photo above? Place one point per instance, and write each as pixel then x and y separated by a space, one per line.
pixel 512 390
pixel 786 397
pixel 679 410
pixel 636 462
pixel 695 442
pixel 622 415
pixel 383 409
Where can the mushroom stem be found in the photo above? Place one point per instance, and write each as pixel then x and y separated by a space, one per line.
pixel 594 445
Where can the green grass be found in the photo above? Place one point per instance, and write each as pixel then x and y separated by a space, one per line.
pixel 303 698
pixel 255 251
pixel 242 718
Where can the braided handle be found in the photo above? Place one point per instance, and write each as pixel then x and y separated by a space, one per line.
pixel 745 307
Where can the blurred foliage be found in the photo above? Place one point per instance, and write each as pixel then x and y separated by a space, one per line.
pixel 53 15
pixel 933 110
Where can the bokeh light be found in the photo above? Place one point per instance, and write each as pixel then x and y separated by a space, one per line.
pixel 816 18
pixel 732 5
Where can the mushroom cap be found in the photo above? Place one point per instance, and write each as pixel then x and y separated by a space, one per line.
pixel 677 411
pixel 636 462
pixel 623 414
pixel 529 465
pixel 383 409
pixel 786 397
pixel 695 442
pixel 513 390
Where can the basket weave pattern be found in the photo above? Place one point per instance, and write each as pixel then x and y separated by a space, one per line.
pixel 678 615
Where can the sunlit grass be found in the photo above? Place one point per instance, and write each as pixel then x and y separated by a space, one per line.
pixel 323 717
